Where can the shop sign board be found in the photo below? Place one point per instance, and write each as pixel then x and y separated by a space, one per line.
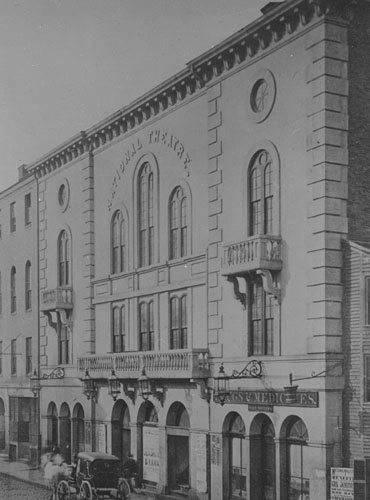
pixel 102 437
pixel 307 399
pixel 341 485
pixel 150 453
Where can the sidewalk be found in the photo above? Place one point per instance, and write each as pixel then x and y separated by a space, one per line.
pixel 34 475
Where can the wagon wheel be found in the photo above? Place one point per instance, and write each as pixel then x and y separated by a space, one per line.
pixel 63 492
pixel 86 492
pixel 123 490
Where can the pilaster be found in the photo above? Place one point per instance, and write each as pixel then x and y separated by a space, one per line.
pixel 88 238
pixel 215 208
pixel 327 180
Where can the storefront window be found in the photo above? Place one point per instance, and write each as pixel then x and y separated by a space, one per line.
pixel 298 474
pixel 238 459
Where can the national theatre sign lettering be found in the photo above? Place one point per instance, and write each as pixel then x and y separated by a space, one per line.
pixel 271 398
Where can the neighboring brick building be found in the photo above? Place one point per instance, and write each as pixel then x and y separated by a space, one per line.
pixel 201 230
pixel 18 318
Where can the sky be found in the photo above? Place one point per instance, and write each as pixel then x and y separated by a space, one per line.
pixel 67 64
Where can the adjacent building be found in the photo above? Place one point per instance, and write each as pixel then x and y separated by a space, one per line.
pixel 203 261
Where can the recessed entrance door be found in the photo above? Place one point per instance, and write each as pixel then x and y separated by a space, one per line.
pixel 178 462
pixel 178 425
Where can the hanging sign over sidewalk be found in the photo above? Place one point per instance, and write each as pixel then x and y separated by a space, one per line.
pixel 341 487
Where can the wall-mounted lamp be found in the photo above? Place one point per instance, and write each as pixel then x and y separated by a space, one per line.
pixel 35 384
pixel 149 387
pixel 291 390
pixel 89 387
pixel 114 386
pixel 253 369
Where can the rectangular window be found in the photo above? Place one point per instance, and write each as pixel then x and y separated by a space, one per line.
pixel 12 217
pixel 13 357
pixel 1 357
pixel 146 322
pixel 119 325
pixel 28 355
pixel 63 345
pixel 27 209
pixel 261 320
pixel 367 378
pixel 367 300
pixel 178 326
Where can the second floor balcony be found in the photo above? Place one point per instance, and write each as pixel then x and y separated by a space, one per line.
pixel 57 298
pixel 256 252
pixel 176 364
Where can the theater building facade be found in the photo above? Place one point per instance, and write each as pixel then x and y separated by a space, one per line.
pixel 191 258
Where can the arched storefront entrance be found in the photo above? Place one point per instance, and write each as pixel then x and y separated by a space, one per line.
pixel 177 428
pixel 52 425
pixel 65 432
pixel 2 425
pixel 262 459
pixel 149 446
pixel 121 434
pixel 294 460
pixel 78 428
pixel 235 463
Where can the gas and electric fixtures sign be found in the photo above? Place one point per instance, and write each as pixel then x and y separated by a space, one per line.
pixel 341 484
pixel 272 398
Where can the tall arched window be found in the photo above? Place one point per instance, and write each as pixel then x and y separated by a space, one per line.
pixel 178 323
pixel 146 326
pixel 297 461
pixel 178 224
pixel 118 243
pixel 64 259
pixel 13 292
pixel 261 214
pixel 27 285
pixel 119 328
pixel 146 215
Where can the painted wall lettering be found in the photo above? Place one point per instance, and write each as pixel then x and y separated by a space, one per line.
pixel 153 137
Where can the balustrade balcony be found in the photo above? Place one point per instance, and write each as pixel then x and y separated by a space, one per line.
pixel 257 252
pixel 178 364
pixel 57 298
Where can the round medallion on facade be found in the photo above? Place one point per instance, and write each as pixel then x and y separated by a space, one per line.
pixel 63 195
pixel 261 96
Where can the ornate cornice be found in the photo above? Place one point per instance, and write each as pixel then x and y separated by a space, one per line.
pixel 280 22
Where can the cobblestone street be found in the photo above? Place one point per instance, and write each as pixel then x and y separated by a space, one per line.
pixel 13 489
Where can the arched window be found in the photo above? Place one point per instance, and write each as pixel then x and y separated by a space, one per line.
pixel 27 285
pixel 118 243
pixel 119 326
pixel 261 319
pixel 261 216
pixel 13 292
pixel 178 323
pixel 178 224
pixel 297 464
pixel 64 259
pixel 146 326
pixel 146 215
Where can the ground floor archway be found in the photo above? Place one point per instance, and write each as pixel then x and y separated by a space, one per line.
pixel 65 432
pixel 121 434
pixel 177 429
pixel 78 423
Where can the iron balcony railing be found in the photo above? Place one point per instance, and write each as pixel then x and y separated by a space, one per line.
pixel 57 298
pixel 181 363
pixel 256 252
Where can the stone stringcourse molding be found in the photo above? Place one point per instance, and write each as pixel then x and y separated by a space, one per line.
pixel 275 26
